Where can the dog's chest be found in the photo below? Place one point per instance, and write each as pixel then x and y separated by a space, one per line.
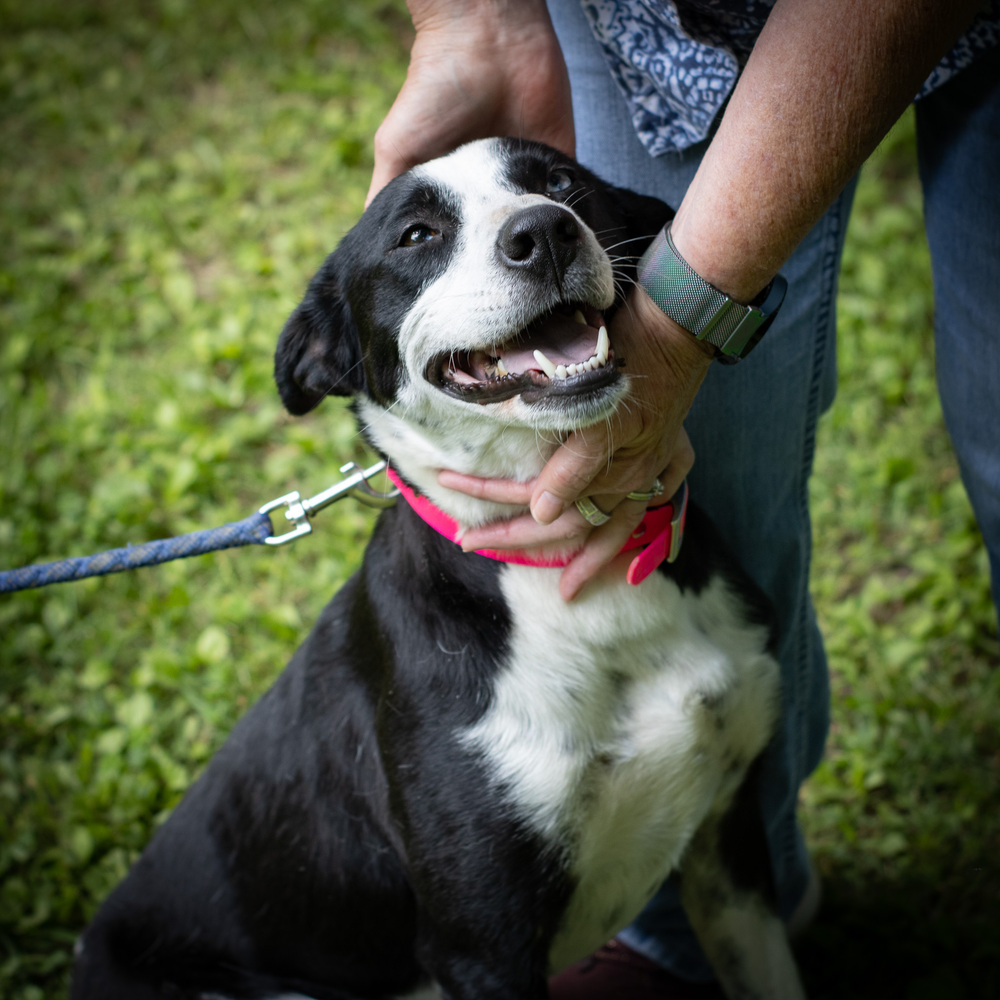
pixel 616 726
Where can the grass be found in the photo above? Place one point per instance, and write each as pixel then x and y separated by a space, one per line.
pixel 172 173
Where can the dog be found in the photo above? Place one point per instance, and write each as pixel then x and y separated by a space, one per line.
pixel 461 783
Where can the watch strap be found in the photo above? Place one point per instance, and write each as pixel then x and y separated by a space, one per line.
pixel 730 327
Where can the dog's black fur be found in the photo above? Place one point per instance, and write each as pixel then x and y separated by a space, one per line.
pixel 346 842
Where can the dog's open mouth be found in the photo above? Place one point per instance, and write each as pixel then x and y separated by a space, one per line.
pixel 563 352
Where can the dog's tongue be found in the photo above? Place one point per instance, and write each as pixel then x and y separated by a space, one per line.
pixel 562 339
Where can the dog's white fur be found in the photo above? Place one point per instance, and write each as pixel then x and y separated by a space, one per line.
pixel 621 738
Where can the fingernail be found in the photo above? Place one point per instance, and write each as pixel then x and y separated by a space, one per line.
pixel 547 508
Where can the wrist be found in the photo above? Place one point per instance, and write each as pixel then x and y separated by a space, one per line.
pixel 732 328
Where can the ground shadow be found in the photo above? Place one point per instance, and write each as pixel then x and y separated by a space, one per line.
pixel 915 939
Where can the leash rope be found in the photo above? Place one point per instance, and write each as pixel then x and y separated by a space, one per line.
pixel 253 530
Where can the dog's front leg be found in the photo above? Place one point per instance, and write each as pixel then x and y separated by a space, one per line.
pixel 467 976
pixel 489 896
pixel 745 942
pixel 487 915
pixel 726 894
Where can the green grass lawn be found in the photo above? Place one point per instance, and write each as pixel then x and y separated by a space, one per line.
pixel 171 174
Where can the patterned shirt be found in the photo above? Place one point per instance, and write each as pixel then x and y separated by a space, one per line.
pixel 676 61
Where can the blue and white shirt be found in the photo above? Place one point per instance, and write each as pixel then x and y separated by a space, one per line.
pixel 676 61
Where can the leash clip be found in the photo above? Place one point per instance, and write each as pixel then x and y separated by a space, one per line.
pixel 299 511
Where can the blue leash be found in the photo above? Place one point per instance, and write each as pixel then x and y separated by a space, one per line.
pixel 253 530
pixel 250 531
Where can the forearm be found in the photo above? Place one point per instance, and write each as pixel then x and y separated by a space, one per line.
pixel 820 90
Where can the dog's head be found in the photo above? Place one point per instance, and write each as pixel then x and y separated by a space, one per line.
pixel 467 310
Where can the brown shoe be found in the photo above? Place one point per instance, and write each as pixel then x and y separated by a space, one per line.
pixel 615 972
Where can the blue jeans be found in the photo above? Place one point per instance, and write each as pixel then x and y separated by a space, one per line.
pixel 958 146
pixel 753 426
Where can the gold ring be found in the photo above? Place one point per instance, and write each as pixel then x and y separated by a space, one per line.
pixel 591 512
pixel 655 491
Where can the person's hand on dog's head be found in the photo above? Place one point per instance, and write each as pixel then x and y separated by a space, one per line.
pixel 475 72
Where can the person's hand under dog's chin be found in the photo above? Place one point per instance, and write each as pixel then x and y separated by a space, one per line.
pixel 646 442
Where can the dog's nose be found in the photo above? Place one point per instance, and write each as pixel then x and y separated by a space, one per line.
pixel 542 238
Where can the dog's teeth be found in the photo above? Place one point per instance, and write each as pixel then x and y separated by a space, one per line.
pixel 501 368
pixel 603 345
pixel 546 365
pixel 597 360
pixel 579 317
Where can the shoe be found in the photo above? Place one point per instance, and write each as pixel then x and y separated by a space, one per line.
pixel 616 972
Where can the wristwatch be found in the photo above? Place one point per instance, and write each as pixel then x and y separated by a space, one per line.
pixel 731 328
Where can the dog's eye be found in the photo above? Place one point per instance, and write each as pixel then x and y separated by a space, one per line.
pixel 559 181
pixel 416 235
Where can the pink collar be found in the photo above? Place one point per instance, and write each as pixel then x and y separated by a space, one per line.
pixel 659 533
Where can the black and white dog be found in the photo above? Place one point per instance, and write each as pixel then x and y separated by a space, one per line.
pixel 461 783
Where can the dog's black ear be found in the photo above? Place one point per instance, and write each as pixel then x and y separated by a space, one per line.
pixel 319 350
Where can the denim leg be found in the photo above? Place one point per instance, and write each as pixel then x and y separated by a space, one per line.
pixel 753 428
pixel 958 141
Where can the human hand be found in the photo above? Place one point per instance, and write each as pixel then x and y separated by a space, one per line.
pixel 476 70
pixel 644 441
